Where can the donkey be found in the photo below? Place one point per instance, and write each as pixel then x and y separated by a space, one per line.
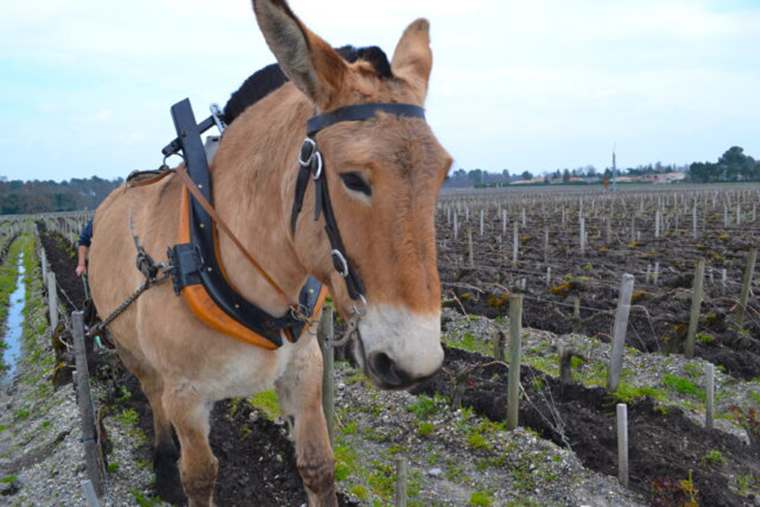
pixel 385 173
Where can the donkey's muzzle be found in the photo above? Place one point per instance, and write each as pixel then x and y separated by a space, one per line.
pixel 386 372
pixel 388 375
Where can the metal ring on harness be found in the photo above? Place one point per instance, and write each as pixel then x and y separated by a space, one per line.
pixel 316 173
pixel 363 311
pixel 339 261
pixel 300 313
pixel 165 165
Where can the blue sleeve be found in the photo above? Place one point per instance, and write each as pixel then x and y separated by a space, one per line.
pixel 85 239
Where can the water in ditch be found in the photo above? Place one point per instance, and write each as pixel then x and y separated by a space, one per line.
pixel 14 326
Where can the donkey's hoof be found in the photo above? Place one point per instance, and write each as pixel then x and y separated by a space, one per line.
pixel 168 484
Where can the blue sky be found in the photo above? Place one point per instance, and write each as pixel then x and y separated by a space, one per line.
pixel 86 86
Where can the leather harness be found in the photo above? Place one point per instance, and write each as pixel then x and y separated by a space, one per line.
pixel 194 263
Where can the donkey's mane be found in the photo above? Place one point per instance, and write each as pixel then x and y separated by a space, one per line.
pixel 263 82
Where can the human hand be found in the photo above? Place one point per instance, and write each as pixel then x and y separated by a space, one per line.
pixel 81 270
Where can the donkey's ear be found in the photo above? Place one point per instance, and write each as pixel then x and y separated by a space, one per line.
pixel 313 66
pixel 413 58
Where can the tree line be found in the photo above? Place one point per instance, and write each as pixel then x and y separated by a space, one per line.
pixel 733 165
pixel 20 197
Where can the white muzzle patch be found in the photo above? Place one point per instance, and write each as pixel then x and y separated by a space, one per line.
pixel 399 347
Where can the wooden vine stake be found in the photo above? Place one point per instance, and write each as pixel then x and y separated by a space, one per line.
pixel 583 235
pixel 710 388
pixel 86 412
pixel 619 332
pixel 326 340
pixel 515 356
pixel 622 439
pixel 515 245
pixel 88 490
pixel 498 346
pixel 470 249
pixel 52 300
pixel 401 477
pixel 43 261
pixel 749 273
pixel 696 306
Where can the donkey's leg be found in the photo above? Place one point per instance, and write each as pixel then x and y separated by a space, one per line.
pixel 300 394
pixel 189 412
pixel 165 453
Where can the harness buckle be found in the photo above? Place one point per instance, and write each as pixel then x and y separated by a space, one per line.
pixel 299 313
pixel 340 263
pixel 308 149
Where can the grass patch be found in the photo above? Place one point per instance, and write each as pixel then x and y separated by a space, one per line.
pixel 693 370
pixel 128 417
pixel 481 498
pixel 476 441
pixel 683 386
pixel 714 458
pixel 424 407
pixel 267 402
pixel 142 500
pixel 425 429
pixel 21 415
pixel 626 393
pixel 467 341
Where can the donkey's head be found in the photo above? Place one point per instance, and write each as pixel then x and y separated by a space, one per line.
pixel 384 174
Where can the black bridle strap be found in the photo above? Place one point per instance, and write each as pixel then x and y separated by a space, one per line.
pixel 339 256
pixel 312 167
pixel 361 112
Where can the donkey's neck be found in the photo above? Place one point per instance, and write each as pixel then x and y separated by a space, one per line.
pixel 253 179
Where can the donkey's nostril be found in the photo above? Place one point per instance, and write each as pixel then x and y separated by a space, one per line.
pixel 386 370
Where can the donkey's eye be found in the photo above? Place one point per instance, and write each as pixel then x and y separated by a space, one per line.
pixel 356 183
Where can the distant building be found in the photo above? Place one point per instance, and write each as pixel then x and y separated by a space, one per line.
pixel 661 178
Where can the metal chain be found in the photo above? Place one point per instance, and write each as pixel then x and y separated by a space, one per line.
pixel 147 284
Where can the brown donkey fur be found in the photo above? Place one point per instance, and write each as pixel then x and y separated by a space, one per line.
pixel 184 366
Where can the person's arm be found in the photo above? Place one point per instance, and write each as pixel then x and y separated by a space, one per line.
pixel 85 239
pixel 82 265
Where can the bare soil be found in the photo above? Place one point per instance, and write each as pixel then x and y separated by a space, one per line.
pixel 660 312
pixel 664 446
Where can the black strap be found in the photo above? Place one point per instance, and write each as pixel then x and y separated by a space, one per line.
pixel 301 183
pixel 340 258
pixel 361 112
pixel 311 163
pixel 197 263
